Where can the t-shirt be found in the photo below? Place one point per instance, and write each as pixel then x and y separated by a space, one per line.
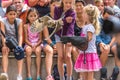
pixel 10 28
pixel 91 45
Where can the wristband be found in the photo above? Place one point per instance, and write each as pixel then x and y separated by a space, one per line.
pixel 52 44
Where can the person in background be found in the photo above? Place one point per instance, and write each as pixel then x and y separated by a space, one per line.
pixel 8 27
pixel 89 30
pixel 6 3
pixel 41 5
pixel 105 45
pixel 3 5
pixel 112 4
pixel 64 50
pixel 100 6
pixel 21 9
pixel 50 43
pixel 79 22
pixel 32 43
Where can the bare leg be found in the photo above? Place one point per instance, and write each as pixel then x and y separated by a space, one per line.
pixel 75 53
pixel 5 52
pixel 60 48
pixel 28 59
pixel 68 60
pixel 20 65
pixel 114 50
pixel 38 60
pixel 49 59
pixel 90 76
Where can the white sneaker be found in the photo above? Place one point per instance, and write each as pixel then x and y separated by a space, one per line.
pixel 19 77
pixel 4 75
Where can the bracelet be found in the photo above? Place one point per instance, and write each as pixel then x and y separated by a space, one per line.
pixel 52 44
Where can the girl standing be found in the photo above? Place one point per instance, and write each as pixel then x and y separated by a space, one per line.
pixel 91 14
pixel 33 41
pixel 64 50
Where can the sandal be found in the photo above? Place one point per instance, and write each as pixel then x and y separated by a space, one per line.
pixel 49 77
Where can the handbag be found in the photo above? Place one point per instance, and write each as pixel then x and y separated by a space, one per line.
pixel 77 41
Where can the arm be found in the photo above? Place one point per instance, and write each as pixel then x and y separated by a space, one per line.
pixel 3 29
pixel 32 3
pixel 20 36
pixel 26 37
pixel 46 35
pixel 71 23
pixel 89 35
pixel 40 40
pixel 112 41
pixel 6 3
pixel 98 40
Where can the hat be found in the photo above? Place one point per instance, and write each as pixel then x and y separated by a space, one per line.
pixel 19 53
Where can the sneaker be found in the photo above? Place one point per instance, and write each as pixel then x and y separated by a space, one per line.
pixel 29 78
pixel 38 78
pixel 114 74
pixel 103 75
pixel 19 77
pixel 3 76
pixel 49 77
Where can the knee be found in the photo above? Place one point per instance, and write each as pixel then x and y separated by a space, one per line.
pixel 48 50
pixel 68 57
pixel 28 49
pixel 5 51
pixel 60 57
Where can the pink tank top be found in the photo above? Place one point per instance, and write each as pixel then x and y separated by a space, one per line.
pixel 33 37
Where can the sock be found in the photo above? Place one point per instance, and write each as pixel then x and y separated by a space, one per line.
pixel 69 78
pixel 62 78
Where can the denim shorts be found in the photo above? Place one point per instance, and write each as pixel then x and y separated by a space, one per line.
pixel 57 38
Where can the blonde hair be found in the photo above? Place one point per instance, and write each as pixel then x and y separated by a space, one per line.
pixel 93 13
pixel 98 1
pixel 62 5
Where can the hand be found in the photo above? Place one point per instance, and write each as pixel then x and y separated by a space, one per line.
pixel 69 19
pixel 34 47
pixel 69 44
pixel 54 47
pixel 105 48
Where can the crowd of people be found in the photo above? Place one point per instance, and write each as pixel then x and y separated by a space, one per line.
pixel 80 19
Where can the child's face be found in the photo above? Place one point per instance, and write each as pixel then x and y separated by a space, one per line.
pixel 68 4
pixel 79 7
pixel 100 6
pixel 11 16
pixel 32 17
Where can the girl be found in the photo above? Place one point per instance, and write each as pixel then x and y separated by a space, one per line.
pixel 90 30
pixel 64 50
pixel 8 27
pixel 33 41
pixel 49 44
pixel 100 5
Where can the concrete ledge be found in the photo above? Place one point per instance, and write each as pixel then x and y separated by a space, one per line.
pixel 12 68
